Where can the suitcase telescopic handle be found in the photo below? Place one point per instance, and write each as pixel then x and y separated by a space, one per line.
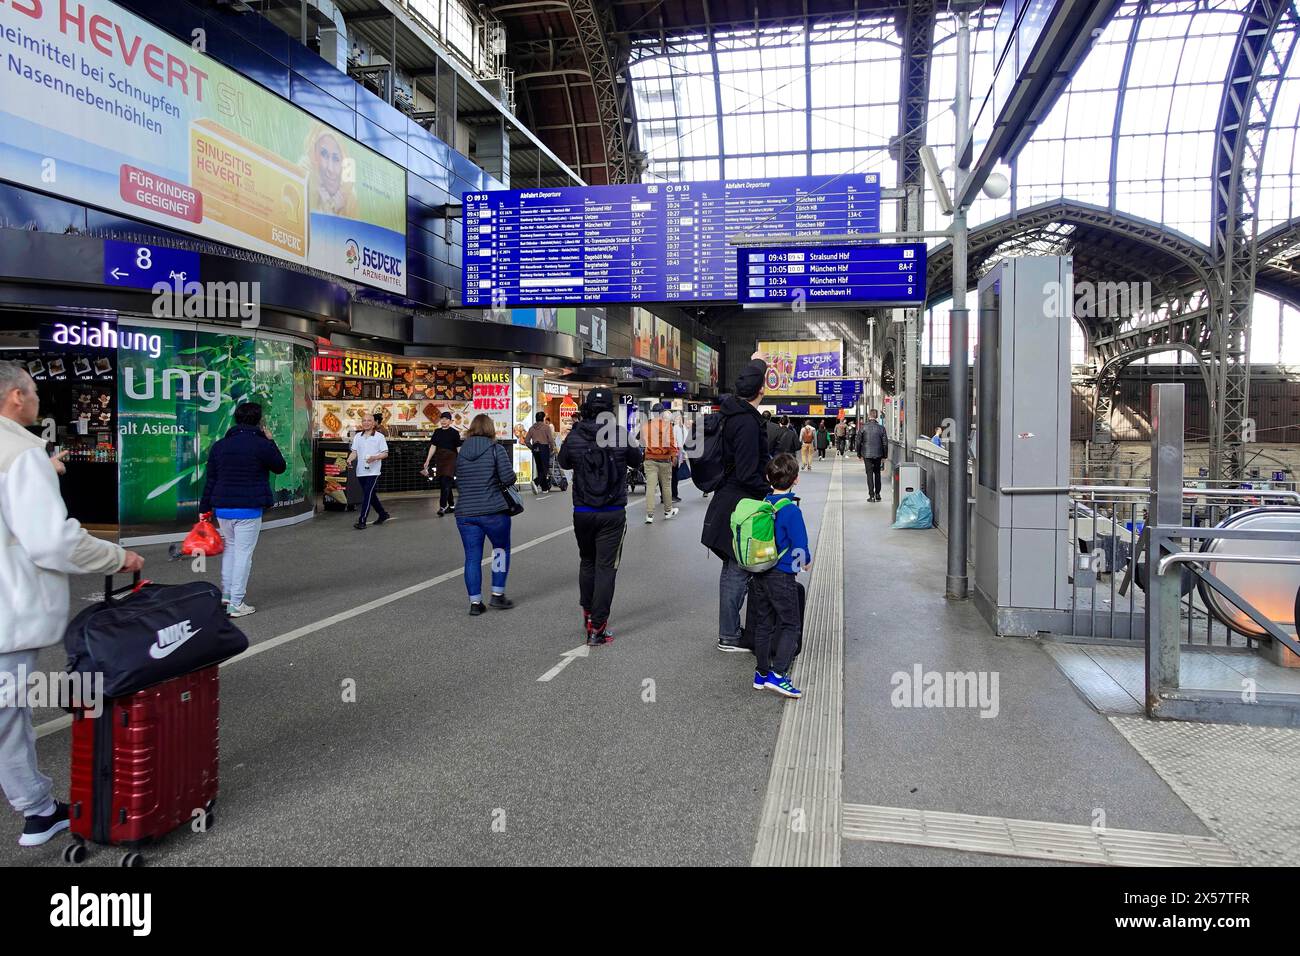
pixel 110 593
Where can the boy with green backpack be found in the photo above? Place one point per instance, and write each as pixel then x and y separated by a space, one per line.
pixel 771 541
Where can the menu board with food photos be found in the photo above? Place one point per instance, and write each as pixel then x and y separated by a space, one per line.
pixel 336 420
pixel 434 383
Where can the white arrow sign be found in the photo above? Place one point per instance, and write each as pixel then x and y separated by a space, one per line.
pixel 118 273
pixel 580 651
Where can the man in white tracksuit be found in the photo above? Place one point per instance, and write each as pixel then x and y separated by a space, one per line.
pixel 39 547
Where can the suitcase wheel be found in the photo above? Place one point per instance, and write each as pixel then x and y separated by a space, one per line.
pixel 132 858
pixel 75 853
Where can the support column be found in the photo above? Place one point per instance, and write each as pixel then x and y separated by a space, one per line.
pixel 958 365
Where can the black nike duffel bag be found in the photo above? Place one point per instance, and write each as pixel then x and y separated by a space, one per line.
pixel 151 634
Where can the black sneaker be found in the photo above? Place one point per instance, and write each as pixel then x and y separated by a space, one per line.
pixel 477 608
pixel 441 512
pixel 600 635
pixel 359 526
pixel 383 519
pixel 451 508
pixel 501 601
pixel 731 646
pixel 39 830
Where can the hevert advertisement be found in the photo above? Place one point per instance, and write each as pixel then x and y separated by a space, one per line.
pixel 794 367
pixel 101 107
pixel 172 408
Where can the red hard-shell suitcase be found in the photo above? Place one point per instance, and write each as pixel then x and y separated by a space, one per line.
pixel 146 766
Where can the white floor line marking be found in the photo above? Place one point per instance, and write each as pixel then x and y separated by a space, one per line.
pixel 62 723
pixel 582 650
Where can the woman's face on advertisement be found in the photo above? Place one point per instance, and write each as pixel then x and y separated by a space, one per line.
pixel 329 162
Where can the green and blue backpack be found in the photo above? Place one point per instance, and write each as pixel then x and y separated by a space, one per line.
pixel 753 534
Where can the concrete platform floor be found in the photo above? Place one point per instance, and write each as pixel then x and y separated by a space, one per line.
pixel 654 750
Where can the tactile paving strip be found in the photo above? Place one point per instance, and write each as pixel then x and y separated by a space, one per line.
pixel 1243 782
pixel 800 824
pixel 1031 839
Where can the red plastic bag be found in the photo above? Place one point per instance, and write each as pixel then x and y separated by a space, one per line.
pixel 204 537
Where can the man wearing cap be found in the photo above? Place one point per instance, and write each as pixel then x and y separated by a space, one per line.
pixel 599 453
pixel 745 455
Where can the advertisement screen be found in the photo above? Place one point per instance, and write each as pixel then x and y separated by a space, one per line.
pixel 794 367
pixel 101 107
pixel 706 364
pixel 173 407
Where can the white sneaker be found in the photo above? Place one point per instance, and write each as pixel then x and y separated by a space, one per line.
pixel 671 514
pixel 649 519
pixel 240 610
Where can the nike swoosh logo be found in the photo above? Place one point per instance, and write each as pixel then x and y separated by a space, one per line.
pixel 158 653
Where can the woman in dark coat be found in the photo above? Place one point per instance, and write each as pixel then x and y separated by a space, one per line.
pixel 823 439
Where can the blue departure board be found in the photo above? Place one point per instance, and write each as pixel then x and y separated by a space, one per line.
pixel 833 275
pixel 650 242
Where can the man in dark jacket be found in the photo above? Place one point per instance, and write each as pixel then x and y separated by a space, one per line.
pixel 779 437
pixel 788 441
pixel 745 455
pixel 873 448
pixel 237 491
pixel 599 451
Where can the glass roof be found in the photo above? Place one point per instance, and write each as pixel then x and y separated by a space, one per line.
pixel 1134 129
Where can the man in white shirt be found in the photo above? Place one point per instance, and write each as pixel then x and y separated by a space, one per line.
pixel 39 547
pixel 369 449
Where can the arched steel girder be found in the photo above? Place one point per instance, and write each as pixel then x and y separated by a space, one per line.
pixel 1177 251
pixel 1103 391
pixel 1264 47
pixel 591 29
pixel 1277 259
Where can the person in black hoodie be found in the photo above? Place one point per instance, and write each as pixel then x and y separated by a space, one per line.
pixel 745 455
pixel 599 452
pixel 237 491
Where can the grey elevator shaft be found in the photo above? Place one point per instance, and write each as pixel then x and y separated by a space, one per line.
pixel 1022 547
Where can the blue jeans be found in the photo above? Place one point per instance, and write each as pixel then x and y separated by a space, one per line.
pixel 496 528
pixel 733 583
pixel 240 535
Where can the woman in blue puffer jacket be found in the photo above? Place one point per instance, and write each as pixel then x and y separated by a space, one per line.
pixel 482 470
pixel 237 491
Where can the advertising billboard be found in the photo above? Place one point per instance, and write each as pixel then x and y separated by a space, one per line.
pixel 103 108
pixel 654 340
pixel 794 367
pixel 706 364
pixel 644 343
pixel 172 407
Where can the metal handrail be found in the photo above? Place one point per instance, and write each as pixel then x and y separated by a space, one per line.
pixel 1210 557
pixel 1138 491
